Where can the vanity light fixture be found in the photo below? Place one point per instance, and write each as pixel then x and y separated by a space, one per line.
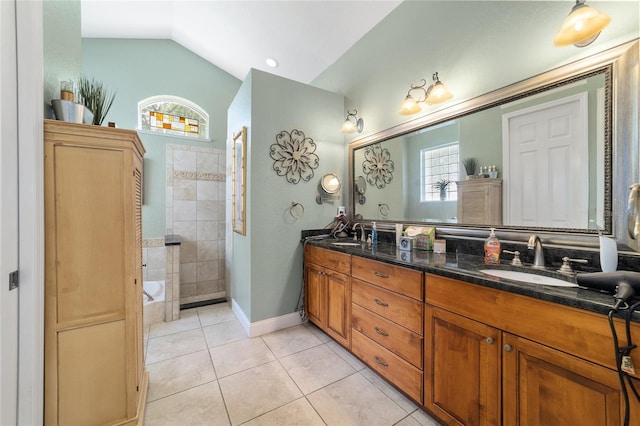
pixel 434 94
pixel 582 26
pixel 352 123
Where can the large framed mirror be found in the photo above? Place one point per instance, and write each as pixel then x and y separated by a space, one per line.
pixel 560 151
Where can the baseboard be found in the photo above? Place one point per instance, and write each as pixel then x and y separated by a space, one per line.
pixel 265 326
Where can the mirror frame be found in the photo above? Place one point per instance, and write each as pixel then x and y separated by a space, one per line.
pixel 239 173
pixel 621 153
pixel 325 185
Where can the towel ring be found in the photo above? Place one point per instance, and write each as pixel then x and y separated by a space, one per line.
pixel 296 210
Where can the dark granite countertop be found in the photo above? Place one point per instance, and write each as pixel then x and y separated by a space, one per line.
pixel 466 267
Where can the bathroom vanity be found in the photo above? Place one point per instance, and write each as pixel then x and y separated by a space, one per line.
pixel 473 349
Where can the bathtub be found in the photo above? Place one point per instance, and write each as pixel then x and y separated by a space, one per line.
pixel 153 310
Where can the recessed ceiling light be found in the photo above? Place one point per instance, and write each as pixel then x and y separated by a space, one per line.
pixel 272 63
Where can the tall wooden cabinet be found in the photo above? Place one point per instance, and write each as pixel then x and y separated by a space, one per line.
pixel 480 201
pixel 94 361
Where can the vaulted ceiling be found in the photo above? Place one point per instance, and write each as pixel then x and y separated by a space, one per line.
pixel 304 37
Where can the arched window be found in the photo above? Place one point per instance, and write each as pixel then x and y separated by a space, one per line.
pixel 173 115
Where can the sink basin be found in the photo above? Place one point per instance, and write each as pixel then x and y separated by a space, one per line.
pixel 347 244
pixel 527 277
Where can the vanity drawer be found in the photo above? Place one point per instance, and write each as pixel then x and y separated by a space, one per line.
pixel 395 307
pixel 402 280
pixel 334 260
pixel 397 339
pixel 398 371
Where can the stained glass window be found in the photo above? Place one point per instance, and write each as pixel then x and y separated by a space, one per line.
pixel 172 115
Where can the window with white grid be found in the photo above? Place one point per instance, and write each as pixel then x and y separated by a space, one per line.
pixel 437 165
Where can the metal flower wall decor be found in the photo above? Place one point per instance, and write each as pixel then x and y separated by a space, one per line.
pixel 294 156
pixel 378 166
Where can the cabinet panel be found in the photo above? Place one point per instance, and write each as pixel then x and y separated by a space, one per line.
pixel 397 339
pixel 338 304
pixel 315 294
pixel 398 371
pixel 88 186
pixel 335 260
pixel 543 386
pixel 461 369
pixel 402 310
pixel 396 278
pixel 92 375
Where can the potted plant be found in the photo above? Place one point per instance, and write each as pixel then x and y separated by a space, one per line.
pixel 441 185
pixel 95 96
pixel 470 164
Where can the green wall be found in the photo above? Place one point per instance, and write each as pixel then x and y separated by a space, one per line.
pixel 62 46
pixel 138 69
pixel 267 262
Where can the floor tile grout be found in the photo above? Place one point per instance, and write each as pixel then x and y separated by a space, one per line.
pixel 280 345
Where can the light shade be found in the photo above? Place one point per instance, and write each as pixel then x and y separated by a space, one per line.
pixel 409 106
pixel 582 26
pixel 352 123
pixel 439 93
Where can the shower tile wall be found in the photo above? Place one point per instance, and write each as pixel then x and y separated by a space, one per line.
pixel 196 212
pixel 153 256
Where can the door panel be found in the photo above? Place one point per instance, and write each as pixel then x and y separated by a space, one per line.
pixel 542 386
pixel 547 150
pixel 8 216
pixel 462 369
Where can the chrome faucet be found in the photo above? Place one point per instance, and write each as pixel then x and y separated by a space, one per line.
pixel 355 235
pixel 535 244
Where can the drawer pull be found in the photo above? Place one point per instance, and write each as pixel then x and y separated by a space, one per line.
pixel 381 332
pixel 508 348
pixel 380 362
pixel 490 340
pixel 381 275
pixel 381 303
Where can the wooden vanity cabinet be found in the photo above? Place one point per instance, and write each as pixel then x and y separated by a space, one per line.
pixel 94 362
pixel 387 322
pixel 328 292
pixel 493 357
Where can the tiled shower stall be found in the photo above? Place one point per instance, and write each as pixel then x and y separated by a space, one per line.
pixel 195 202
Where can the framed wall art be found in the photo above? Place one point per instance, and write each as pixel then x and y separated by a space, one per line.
pixel 239 174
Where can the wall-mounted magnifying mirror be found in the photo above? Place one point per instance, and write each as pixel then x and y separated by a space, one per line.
pixel 328 187
pixel 360 187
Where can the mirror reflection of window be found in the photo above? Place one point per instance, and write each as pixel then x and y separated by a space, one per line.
pixel 439 165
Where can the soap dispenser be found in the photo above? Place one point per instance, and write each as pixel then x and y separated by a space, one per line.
pixel 492 249
pixel 374 234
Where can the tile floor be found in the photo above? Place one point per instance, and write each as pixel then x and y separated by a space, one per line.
pixel 204 370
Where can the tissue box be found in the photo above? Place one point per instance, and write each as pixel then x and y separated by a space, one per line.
pixel 424 240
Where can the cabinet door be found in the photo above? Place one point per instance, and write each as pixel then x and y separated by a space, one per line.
pixel 338 303
pixel 461 369
pixel 542 386
pixel 315 291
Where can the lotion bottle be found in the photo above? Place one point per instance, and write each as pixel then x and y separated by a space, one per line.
pixel 374 234
pixel 492 249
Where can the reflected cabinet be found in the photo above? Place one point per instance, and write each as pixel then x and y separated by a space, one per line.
pixel 94 366
pixel 480 201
